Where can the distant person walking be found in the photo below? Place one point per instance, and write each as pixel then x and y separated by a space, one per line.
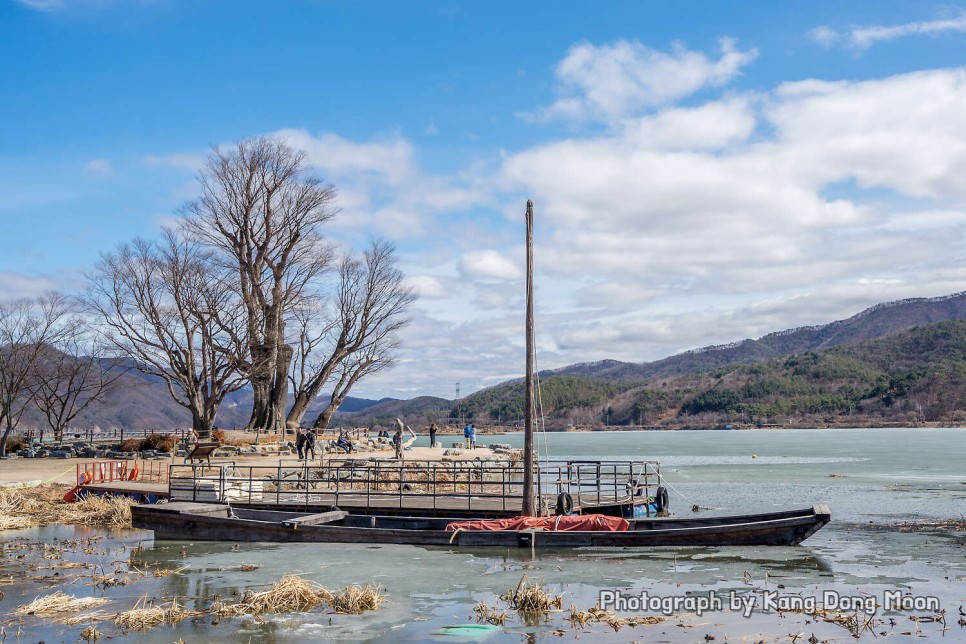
pixel 432 435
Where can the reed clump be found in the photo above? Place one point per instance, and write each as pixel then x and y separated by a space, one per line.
pixel 489 615
pixel 90 634
pixel 59 603
pixel 142 616
pixel 290 594
pixel 357 599
pixel 531 598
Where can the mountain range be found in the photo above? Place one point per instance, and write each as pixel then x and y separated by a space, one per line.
pixel 142 402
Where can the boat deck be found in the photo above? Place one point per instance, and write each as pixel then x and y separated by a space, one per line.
pixel 411 488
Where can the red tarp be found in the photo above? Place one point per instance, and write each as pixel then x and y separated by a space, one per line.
pixel 584 523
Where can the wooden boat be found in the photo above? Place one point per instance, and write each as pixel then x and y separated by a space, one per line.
pixel 222 522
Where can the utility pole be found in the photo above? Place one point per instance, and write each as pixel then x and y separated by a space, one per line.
pixel 527 509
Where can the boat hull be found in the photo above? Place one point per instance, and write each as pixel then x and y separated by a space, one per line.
pixel 212 522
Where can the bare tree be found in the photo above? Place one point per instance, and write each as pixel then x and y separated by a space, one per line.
pixel 71 375
pixel 168 307
pixel 26 327
pixel 359 339
pixel 263 212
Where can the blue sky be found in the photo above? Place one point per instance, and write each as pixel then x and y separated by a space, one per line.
pixel 703 172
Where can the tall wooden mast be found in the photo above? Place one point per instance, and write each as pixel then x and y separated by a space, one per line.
pixel 528 509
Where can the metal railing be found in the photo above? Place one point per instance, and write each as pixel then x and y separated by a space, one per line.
pixel 412 484
pixel 122 470
pixel 598 483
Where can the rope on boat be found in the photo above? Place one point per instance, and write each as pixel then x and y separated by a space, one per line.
pixel 455 532
pixel 681 494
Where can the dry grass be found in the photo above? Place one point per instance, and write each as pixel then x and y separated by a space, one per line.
pixel 90 634
pixel 531 598
pixel 165 572
pixel 117 578
pixel 143 616
pixel 110 511
pixel 59 603
pixel 14 523
pixel 96 616
pixel 39 506
pixel 290 594
pixel 581 618
pixel 160 442
pixel 357 599
pixel 487 615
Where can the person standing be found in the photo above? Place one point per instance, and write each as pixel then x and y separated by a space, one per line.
pixel 473 436
pixel 432 435
pixel 300 442
pixel 467 434
pixel 309 446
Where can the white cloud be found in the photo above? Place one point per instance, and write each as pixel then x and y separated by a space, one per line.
pixel 863 37
pixel 391 158
pixel 426 286
pixel 99 168
pixel 15 285
pixel 489 264
pixel 903 133
pixel 612 81
pixel 381 185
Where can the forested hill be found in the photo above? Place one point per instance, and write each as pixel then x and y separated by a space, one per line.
pixel 875 322
pixel 912 376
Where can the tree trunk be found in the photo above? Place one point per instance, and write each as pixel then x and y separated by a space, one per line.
pixel 298 410
pixel 322 422
pixel 3 439
pixel 202 423
pixel 278 400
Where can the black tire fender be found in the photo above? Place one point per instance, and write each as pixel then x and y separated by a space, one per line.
pixel 660 499
pixel 565 504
